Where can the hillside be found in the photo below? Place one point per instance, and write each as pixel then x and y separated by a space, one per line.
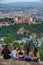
pixel 13 29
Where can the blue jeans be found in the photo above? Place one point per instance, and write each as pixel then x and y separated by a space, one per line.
pixel 14 58
pixel 28 59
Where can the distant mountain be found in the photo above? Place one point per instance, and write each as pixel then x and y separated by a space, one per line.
pixel 23 4
pixel 3 5
pixel 27 4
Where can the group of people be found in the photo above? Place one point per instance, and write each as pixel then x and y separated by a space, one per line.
pixel 21 54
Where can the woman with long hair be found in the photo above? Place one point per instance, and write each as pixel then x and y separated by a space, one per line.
pixel 21 53
pixel 36 53
pixel 28 56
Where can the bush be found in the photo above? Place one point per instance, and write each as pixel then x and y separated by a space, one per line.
pixel 29 44
pixel 15 43
pixel 41 52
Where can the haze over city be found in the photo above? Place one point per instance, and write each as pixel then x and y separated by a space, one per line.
pixel 11 1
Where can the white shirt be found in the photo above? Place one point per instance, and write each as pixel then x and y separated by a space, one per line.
pixel 14 53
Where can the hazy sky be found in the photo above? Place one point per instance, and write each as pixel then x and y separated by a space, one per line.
pixel 10 1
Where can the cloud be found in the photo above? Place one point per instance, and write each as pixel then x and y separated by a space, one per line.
pixel 41 0
pixel 1 0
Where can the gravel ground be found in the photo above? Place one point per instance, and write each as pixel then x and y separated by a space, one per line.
pixel 16 62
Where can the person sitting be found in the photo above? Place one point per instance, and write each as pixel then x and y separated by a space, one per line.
pixel 6 52
pixel 36 57
pixel 14 54
pixel 21 53
pixel 0 51
pixel 28 56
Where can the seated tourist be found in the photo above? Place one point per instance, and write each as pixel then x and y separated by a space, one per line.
pixel 36 57
pixel 14 53
pixel 6 52
pixel 0 51
pixel 28 56
pixel 21 53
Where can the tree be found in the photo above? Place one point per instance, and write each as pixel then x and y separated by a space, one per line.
pixel 15 43
pixel 29 44
pixel 9 40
